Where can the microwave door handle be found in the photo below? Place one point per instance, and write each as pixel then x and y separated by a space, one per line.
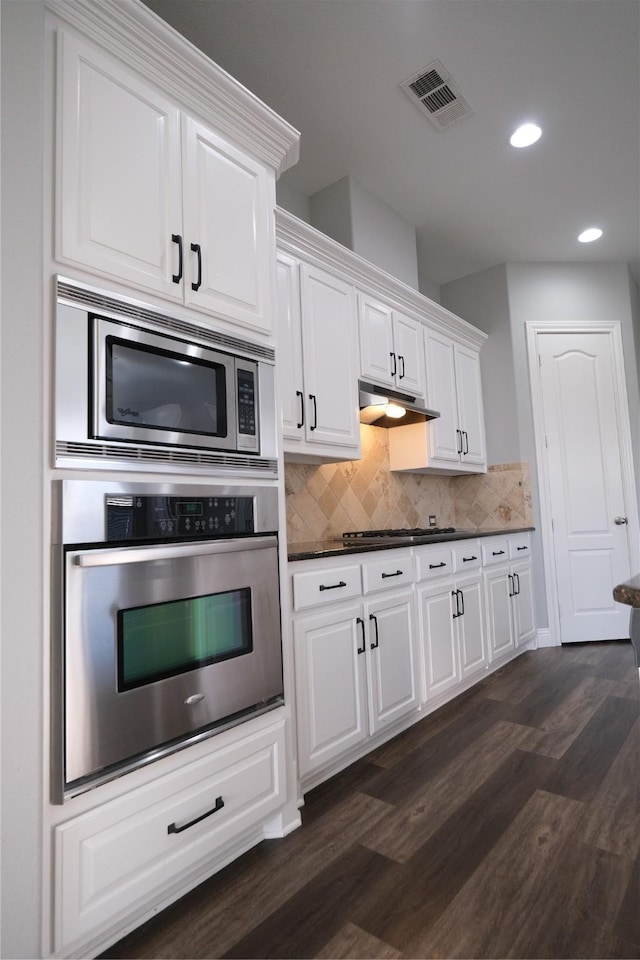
pixel 110 558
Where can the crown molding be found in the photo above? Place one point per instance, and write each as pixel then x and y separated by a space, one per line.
pixel 303 241
pixel 135 35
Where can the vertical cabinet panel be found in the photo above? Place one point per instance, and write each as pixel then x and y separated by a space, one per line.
pixel 470 409
pixel 376 341
pixel 444 445
pixel 409 349
pixel 473 646
pixel 290 372
pixel 393 676
pixel 499 613
pixel 438 635
pixel 524 615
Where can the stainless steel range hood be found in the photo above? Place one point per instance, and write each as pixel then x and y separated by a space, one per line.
pixel 377 404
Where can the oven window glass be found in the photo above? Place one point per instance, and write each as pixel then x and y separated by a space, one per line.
pixel 160 390
pixel 163 639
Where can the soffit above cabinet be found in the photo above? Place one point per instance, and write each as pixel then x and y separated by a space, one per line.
pixel 137 36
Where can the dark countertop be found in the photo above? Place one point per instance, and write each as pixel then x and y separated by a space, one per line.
pixel 314 549
pixel 628 592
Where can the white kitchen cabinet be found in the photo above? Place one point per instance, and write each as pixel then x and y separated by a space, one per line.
pixel 148 196
pixel 438 635
pixel 391 348
pixel 508 595
pixel 317 362
pixel 454 442
pixel 355 662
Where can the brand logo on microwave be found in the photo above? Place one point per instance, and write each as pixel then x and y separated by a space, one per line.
pixel 128 412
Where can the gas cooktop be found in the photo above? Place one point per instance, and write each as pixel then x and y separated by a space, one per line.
pixel 408 534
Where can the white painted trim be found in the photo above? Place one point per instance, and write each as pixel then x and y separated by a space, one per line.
pixel 612 328
pixel 302 241
pixel 545 639
pixel 130 31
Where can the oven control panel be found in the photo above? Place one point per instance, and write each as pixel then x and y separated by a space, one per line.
pixel 151 517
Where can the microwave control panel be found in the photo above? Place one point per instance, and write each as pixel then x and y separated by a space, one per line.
pixel 142 517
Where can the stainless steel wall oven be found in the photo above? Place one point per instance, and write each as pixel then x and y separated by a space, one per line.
pixel 169 623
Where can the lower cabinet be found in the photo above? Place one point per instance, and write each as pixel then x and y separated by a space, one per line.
pixel 509 595
pixel 115 860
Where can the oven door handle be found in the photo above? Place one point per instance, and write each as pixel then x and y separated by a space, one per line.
pixel 109 558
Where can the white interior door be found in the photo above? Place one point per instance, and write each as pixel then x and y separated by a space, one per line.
pixel 586 489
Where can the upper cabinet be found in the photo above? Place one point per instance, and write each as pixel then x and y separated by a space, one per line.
pixel 391 351
pixel 317 362
pixel 150 196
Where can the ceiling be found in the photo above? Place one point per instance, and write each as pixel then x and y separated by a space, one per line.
pixel 332 68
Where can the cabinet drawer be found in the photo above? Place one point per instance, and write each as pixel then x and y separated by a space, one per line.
pixel 467 555
pixel 326 586
pixel 114 859
pixel 519 546
pixel 436 561
pixel 393 569
pixel 495 551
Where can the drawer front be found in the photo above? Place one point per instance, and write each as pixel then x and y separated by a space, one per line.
pixel 495 551
pixel 318 587
pixel 393 569
pixel 520 546
pixel 435 561
pixel 109 862
pixel 467 555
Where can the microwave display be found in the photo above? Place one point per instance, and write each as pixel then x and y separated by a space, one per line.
pixel 161 390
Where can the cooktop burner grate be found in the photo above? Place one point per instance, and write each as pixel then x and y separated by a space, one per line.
pixel 405 533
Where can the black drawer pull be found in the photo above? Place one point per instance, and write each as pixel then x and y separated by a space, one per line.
pixel 176 238
pixel 497 553
pixel 522 548
pixel 332 586
pixel 364 645
pixel 468 559
pixel 394 368
pixel 373 646
pixel 436 566
pixel 172 828
pixel 300 423
pixel 195 248
pixel 398 573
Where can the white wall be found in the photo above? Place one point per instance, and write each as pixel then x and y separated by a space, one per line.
pixel 293 201
pixel 23 536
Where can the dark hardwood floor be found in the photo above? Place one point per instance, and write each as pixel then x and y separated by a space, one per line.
pixel 506 824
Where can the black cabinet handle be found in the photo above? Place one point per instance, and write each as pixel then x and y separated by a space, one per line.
pixel 172 828
pixel 522 548
pixel 301 395
pixel 436 566
pixel 364 647
pixel 398 573
pixel 315 411
pixel 195 247
pixel 454 593
pixel 393 364
pixel 461 602
pixel 375 623
pixel 401 359
pixel 516 577
pixel 497 553
pixel 459 441
pixel 468 559
pixel 512 590
pixel 331 586
pixel 466 443
pixel 176 238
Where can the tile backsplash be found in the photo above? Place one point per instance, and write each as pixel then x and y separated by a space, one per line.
pixel 324 501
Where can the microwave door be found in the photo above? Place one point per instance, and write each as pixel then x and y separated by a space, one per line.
pixel 148 388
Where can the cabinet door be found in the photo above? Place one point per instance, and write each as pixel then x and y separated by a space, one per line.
pixel 330 685
pixel 438 636
pixel 499 602
pixel 470 411
pixel 377 358
pixel 228 218
pixel 523 603
pixel 118 194
pixel 444 438
pixel 471 628
pixel 409 350
pixel 329 359
pixel 392 661
pixel 289 366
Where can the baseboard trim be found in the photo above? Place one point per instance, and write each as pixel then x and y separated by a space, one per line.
pixel 545 638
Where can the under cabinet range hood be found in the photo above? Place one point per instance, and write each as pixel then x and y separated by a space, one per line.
pixel 382 407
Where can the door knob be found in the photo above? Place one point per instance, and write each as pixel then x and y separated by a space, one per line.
pixel 620 520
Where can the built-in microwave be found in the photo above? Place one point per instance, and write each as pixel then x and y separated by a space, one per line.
pixel 133 384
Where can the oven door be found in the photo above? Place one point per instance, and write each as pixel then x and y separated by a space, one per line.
pixel 148 388
pixel 162 643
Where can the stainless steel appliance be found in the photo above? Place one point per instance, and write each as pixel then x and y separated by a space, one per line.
pixel 401 534
pixel 137 387
pixel 169 627
pixel 383 407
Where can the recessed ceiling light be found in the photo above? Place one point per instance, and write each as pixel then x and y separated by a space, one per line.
pixel 525 135
pixel 592 233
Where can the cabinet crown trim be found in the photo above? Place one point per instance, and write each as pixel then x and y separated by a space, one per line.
pixel 303 241
pixel 144 42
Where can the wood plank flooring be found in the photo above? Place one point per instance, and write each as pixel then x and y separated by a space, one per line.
pixel 506 824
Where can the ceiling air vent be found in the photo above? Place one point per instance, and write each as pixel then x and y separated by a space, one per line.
pixel 435 93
